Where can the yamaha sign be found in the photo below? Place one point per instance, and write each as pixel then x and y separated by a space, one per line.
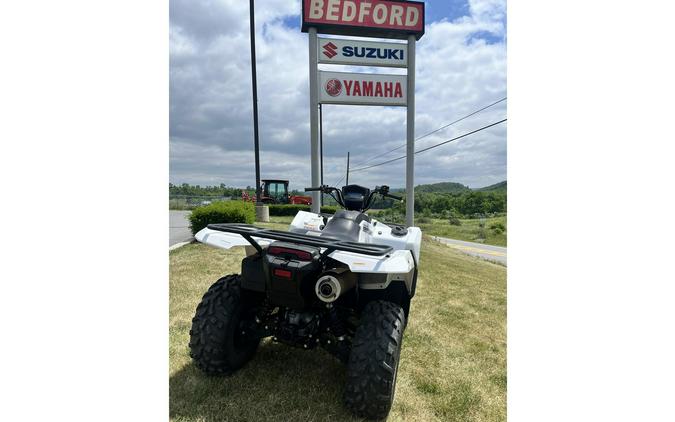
pixel 362 89
pixel 362 53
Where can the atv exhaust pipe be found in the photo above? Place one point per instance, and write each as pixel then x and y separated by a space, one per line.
pixel 334 283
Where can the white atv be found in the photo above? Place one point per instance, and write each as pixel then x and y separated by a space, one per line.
pixel 343 282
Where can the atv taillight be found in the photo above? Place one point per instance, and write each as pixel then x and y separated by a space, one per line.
pixel 299 255
pixel 282 273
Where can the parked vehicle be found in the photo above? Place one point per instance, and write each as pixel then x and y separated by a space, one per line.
pixel 342 282
pixel 274 191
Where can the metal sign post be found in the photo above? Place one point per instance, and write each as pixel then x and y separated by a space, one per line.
pixel 314 120
pixel 410 138
pixel 321 147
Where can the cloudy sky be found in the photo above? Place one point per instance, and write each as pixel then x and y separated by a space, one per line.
pixel 461 67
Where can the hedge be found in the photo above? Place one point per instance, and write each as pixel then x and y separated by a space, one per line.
pixel 291 209
pixel 222 212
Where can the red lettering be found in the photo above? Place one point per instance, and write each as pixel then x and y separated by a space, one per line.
pixel 398 92
pixel 388 88
pixel 390 14
pixel 378 89
pixel 367 88
pixel 357 88
pixel 348 86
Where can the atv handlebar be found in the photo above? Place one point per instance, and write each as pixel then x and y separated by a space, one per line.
pixel 384 191
pixel 329 190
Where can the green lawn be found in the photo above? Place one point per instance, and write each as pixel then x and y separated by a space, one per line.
pixel 453 361
pixel 468 230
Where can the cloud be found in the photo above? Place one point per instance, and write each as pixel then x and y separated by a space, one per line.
pixel 461 66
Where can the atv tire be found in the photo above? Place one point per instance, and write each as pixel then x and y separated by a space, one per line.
pixel 217 344
pixel 373 361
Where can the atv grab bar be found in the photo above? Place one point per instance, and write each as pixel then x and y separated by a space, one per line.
pixel 247 231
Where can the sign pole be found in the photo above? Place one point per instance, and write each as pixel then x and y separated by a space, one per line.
pixel 347 182
pixel 314 120
pixel 256 144
pixel 321 147
pixel 410 137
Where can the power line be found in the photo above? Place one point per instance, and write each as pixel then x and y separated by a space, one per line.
pixel 431 147
pixel 336 183
pixel 421 137
pixel 434 131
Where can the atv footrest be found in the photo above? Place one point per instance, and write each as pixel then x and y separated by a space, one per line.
pixel 333 244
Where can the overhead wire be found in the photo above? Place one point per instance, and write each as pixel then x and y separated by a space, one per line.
pixel 422 137
pixel 430 147
pixel 435 130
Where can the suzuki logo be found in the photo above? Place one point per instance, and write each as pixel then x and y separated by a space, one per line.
pixel 330 50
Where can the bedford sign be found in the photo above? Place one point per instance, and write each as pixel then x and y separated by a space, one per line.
pixel 364 18
pixel 362 53
pixel 362 89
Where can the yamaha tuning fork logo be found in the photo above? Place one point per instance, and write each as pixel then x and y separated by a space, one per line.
pixel 330 50
pixel 333 87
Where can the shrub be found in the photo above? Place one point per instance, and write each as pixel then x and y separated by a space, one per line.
pixel 282 210
pixel 454 221
pixel 222 212
pixel 498 227
pixel 329 209
pixel 292 209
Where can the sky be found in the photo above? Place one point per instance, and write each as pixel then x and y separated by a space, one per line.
pixel 460 68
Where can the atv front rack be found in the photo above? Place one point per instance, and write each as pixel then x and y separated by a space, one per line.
pixel 247 231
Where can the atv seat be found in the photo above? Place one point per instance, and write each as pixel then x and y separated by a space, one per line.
pixel 345 225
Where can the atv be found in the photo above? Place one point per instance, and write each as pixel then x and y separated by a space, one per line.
pixel 343 282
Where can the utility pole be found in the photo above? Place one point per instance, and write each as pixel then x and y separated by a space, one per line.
pixel 256 144
pixel 262 212
pixel 347 182
pixel 321 146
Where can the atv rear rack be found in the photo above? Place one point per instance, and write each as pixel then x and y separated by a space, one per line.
pixel 247 231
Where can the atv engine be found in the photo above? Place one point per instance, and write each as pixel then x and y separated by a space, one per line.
pixel 298 328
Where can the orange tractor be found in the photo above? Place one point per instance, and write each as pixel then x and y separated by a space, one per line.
pixel 274 191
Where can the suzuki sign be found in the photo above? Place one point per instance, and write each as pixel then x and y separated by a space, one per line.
pixel 362 89
pixel 362 53
pixel 364 18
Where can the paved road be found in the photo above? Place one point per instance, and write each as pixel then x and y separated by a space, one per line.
pixel 179 227
pixel 488 252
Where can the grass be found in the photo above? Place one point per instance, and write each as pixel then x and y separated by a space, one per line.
pixel 469 230
pixel 277 222
pixel 453 361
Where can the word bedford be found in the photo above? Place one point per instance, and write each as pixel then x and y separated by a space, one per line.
pixel 369 18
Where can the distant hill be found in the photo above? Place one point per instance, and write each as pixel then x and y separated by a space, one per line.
pixel 443 187
pixel 452 187
pixel 497 187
